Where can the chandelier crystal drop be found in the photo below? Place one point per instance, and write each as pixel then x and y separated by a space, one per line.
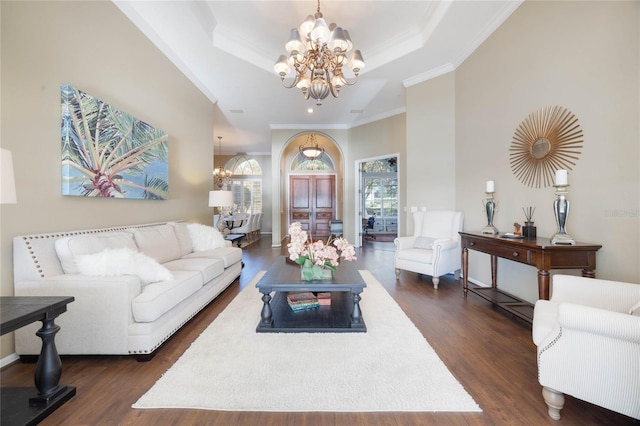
pixel 317 53
pixel 221 177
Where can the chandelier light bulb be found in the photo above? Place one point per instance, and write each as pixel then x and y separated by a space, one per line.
pixel 338 43
pixel 320 33
pixel 307 25
pixel 295 43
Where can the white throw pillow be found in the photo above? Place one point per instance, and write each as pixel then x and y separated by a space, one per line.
pixel 123 261
pixel 205 237
pixel 68 248
pixel 424 243
pixel 635 309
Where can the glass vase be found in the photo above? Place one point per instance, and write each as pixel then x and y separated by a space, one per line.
pixel 311 272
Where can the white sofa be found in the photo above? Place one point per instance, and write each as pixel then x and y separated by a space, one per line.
pixel 118 311
pixel 588 339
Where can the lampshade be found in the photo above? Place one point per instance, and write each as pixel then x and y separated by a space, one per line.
pixel 7 185
pixel 220 198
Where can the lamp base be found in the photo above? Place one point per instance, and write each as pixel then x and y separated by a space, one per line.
pixel 490 229
pixel 562 238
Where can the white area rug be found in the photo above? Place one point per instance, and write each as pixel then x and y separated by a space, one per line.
pixel 230 367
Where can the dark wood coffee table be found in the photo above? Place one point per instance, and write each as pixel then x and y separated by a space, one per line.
pixel 343 315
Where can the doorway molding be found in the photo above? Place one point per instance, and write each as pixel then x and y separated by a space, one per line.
pixel 358 189
pixel 288 150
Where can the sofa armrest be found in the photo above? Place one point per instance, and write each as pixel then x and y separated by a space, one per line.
pixel 552 320
pixel 615 325
pixel 404 242
pixel 101 303
pixel 609 295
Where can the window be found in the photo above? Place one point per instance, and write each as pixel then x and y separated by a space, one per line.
pixel 380 193
pixel 302 163
pixel 246 183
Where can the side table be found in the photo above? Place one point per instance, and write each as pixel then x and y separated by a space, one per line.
pixel 26 406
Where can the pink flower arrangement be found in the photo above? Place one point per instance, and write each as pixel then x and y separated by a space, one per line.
pixel 303 248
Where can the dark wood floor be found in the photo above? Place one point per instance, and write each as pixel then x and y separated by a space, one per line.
pixel 488 351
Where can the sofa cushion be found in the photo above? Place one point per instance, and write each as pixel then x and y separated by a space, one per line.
pixel 229 255
pixel 205 237
pixel 208 268
pixel 184 238
pixel 158 298
pixel 635 309
pixel 159 242
pixel 122 261
pixel 68 248
pixel 416 255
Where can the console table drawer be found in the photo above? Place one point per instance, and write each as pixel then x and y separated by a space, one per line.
pixel 516 254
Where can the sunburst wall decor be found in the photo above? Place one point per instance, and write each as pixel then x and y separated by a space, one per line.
pixel 547 140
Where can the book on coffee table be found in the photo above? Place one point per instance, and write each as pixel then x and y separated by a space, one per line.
pixel 301 301
pixel 324 298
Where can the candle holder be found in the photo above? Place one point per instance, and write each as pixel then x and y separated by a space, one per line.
pixel 490 209
pixel 561 211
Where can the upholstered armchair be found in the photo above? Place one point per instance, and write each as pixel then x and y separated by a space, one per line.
pixel 434 248
pixel 588 339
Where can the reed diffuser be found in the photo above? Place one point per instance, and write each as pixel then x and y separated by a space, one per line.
pixel 528 230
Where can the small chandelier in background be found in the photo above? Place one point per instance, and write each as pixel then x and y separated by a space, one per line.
pixel 317 53
pixel 310 148
pixel 221 177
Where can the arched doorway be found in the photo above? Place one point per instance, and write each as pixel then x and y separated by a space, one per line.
pixel 313 184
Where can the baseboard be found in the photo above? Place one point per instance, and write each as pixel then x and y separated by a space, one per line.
pixel 8 360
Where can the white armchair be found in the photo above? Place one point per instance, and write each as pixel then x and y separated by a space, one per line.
pixel 588 339
pixel 434 248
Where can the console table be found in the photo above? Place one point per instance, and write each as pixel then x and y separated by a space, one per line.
pixel 537 252
pixel 25 406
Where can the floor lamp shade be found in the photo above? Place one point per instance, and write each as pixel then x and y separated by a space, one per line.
pixel 8 184
pixel 220 198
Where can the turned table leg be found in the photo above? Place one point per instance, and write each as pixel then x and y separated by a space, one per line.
pixel 465 270
pixel 49 366
pixel 356 314
pixel 266 314
pixel 543 284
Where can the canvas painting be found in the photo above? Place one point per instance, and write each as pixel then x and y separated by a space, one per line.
pixel 109 153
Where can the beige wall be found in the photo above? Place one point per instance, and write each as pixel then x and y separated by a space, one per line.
pixel 94 47
pixel 382 138
pixel 585 58
pixel 431 147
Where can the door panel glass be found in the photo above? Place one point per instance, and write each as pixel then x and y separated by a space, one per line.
pixel 380 196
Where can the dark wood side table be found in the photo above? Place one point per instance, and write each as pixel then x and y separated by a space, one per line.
pixel 26 406
pixel 537 252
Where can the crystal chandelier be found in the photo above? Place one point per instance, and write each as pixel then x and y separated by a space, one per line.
pixel 310 148
pixel 221 177
pixel 317 53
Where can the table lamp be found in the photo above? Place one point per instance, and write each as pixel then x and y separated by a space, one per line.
pixel 220 199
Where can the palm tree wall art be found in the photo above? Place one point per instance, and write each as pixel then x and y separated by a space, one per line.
pixel 108 153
